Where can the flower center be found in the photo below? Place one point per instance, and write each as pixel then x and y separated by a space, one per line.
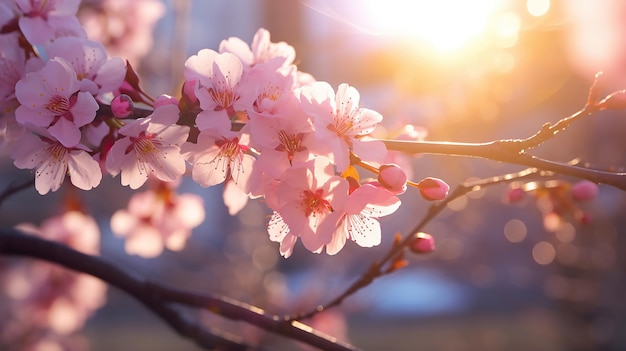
pixel 314 203
pixel 58 104
pixel 290 143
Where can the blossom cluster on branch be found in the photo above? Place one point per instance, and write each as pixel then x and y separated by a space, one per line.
pixel 247 116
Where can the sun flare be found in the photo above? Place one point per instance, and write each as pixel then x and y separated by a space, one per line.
pixel 446 25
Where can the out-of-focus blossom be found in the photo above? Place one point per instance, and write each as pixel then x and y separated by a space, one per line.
pixel 156 219
pixel 48 297
pixel 124 27
pixel 42 21
pixel 584 190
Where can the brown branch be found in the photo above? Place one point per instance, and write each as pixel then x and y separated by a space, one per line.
pixel 159 298
pixel 509 152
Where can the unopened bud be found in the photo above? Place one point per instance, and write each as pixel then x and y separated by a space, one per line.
pixel 514 195
pixel 584 190
pixel 122 106
pixel 433 189
pixel 422 243
pixel 392 178
pixel 164 99
pixel 189 91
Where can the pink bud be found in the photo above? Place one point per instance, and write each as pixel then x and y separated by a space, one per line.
pixel 392 178
pixel 514 195
pixel 189 91
pixel 422 243
pixel 584 190
pixel 122 106
pixel 433 189
pixel 164 99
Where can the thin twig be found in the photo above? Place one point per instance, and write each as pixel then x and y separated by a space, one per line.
pixel 376 268
pixel 15 188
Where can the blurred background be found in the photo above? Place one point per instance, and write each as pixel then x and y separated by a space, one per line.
pixel 503 277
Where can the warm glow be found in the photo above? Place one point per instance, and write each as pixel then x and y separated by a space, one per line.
pixel 538 8
pixel 447 25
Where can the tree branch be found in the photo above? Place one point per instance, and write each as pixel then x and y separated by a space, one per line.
pixel 159 298
pixel 509 151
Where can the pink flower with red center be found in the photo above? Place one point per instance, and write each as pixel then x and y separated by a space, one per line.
pixel 52 162
pixel 220 156
pixel 359 220
pixel 341 122
pixel 308 202
pixel 149 146
pixel 50 98
pixel 218 91
pixel 158 219
pixel 283 139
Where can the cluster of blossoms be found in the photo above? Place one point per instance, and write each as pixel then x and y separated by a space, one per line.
pixel 247 117
pixel 49 302
pixel 557 200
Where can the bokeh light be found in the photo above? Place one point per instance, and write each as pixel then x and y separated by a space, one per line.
pixel 445 25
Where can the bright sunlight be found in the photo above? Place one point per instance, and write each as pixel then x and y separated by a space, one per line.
pixel 446 25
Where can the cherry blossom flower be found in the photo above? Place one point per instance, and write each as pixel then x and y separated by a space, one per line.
pixel 42 20
pixel 220 156
pixel 359 220
pixel 156 219
pixel 262 50
pixel 340 122
pixel 219 93
pixel 50 98
pixel 283 138
pixel 308 202
pixel 13 67
pixel 50 297
pixel 52 161
pixel 96 72
pixel 149 146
